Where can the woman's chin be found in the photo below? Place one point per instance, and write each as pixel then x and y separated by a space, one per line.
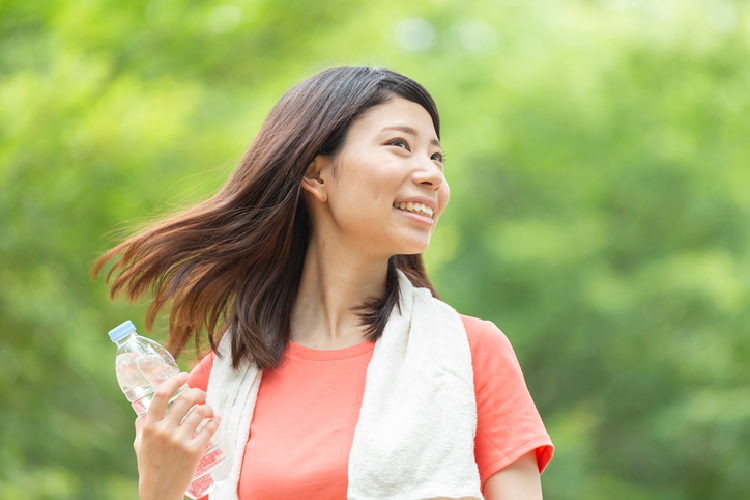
pixel 414 248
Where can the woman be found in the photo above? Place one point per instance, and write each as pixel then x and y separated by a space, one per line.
pixel 340 374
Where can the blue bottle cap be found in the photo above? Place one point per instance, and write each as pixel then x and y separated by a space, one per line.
pixel 117 333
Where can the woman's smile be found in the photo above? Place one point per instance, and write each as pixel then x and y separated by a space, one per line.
pixel 418 212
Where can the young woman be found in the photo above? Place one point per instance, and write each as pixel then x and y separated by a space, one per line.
pixel 339 373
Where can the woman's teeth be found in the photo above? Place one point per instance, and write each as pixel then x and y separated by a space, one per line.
pixel 417 208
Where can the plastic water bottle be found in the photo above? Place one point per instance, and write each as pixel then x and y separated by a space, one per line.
pixel 142 365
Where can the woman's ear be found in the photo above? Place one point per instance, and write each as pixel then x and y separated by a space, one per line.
pixel 313 181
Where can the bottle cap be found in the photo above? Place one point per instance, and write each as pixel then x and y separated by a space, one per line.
pixel 117 333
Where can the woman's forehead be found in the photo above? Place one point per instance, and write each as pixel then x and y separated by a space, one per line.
pixel 399 115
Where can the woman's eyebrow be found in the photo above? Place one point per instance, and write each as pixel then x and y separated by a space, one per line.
pixel 411 131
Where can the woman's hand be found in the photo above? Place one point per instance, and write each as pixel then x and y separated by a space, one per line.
pixel 169 451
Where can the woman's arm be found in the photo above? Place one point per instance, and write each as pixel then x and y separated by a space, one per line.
pixel 518 481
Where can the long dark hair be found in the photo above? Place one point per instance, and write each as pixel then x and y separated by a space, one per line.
pixel 233 262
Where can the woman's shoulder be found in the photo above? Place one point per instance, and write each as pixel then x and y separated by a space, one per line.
pixel 476 327
pixel 508 422
pixel 483 333
pixel 199 375
pixel 490 348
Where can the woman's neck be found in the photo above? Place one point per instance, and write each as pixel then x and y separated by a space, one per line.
pixel 332 285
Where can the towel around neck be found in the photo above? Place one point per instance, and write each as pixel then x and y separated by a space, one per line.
pixel 414 438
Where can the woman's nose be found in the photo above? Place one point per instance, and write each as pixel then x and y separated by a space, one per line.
pixel 428 174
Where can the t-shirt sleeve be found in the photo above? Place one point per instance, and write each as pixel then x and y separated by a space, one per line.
pixel 198 378
pixel 508 422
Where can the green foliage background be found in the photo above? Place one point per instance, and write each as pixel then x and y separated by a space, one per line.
pixel 600 213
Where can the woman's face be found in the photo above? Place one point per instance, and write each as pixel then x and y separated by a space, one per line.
pixel 385 188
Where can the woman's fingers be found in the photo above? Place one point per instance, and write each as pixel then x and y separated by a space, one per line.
pixel 191 422
pixel 183 403
pixel 138 434
pixel 208 430
pixel 160 400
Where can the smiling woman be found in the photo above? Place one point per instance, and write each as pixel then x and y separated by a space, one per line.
pixel 337 370
pixel 355 197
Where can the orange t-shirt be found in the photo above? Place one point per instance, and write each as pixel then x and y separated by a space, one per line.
pixel 306 411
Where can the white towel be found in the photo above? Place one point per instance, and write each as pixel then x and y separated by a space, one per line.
pixel 414 438
pixel 232 395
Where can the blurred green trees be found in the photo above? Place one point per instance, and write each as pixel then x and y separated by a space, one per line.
pixel 600 211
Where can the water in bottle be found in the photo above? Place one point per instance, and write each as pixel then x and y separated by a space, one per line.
pixel 142 365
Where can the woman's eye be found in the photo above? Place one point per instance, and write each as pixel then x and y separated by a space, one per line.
pixel 437 157
pixel 400 143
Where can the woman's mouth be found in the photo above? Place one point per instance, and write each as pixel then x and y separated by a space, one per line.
pixel 415 208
